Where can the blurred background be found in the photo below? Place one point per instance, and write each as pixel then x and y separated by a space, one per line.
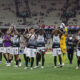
pixel 36 13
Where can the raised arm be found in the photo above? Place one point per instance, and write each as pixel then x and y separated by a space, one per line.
pixel 16 31
pixel 24 34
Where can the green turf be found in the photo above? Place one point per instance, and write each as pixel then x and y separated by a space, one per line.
pixel 68 72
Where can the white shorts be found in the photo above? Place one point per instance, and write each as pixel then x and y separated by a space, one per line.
pixel 15 50
pixel 78 52
pixel 1 49
pixel 40 49
pixel 30 52
pixel 56 51
pixel 25 50
pixel 4 50
pixel 7 50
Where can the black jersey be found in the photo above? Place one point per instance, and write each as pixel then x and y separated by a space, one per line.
pixel 70 43
pixel 56 42
pixel 1 40
pixel 32 42
pixel 40 41
pixel 78 42
pixel 15 41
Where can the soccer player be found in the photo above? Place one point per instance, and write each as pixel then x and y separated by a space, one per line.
pixel 15 45
pixel 56 48
pixel 7 46
pixel 63 34
pixel 30 50
pixel 78 50
pixel 25 35
pixel 1 45
pixel 40 48
pixel 70 48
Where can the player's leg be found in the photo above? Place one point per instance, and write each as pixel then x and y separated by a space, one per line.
pixel 25 59
pixel 29 61
pixel 0 57
pixel 9 51
pixel 72 53
pixel 27 52
pixel 9 59
pixel 15 58
pixel 9 55
pixel 39 54
pixel 26 62
pixel 12 59
pixel 32 62
pixel 32 55
pixel 63 56
pixel 43 60
pixel 78 62
pixel 55 57
pixel 4 54
pixel 24 55
pixel 78 59
pixel 55 61
pixel 60 60
pixel 18 59
pixel 20 63
pixel 5 57
pixel 37 59
pixel 59 56
pixel 68 53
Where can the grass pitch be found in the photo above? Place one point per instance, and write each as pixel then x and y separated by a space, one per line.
pixel 68 72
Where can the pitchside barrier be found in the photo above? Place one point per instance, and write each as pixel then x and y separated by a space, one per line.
pixel 70 27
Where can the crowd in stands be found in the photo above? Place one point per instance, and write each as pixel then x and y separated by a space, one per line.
pixel 39 12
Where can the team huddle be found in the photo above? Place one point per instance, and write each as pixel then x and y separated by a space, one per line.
pixel 35 46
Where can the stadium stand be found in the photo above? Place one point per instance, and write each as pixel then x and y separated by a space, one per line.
pixel 51 12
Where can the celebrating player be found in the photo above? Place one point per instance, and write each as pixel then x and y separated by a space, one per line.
pixel 40 48
pixel 78 50
pixel 70 48
pixel 63 35
pixel 25 35
pixel 15 46
pixel 7 46
pixel 56 48
pixel 30 50
pixel 1 45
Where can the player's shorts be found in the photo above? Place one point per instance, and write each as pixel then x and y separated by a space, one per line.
pixel 7 50
pixel 63 49
pixel 4 50
pixel 56 51
pixel 40 49
pixel 15 50
pixel 1 49
pixel 78 52
pixel 30 52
